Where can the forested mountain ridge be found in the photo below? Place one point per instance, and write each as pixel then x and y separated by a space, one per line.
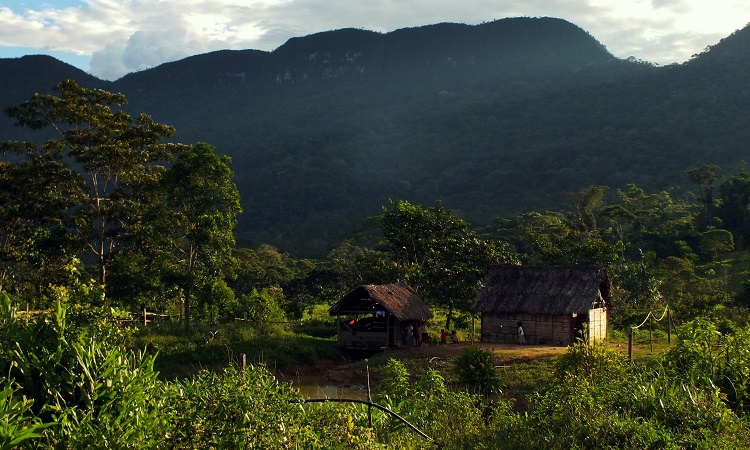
pixel 493 119
pixel 503 47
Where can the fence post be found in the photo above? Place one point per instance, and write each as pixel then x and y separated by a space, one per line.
pixel 651 333
pixel 369 394
pixel 630 343
pixel 669 326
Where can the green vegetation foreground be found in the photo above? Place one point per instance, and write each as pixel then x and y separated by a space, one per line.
pixel 71 383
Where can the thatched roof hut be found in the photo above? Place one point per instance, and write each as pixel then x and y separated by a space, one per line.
pixel 399 299
pixel 375 314
pixel 563 298
pixel 542 290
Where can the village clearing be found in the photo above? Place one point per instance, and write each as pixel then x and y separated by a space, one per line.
pixel 512 360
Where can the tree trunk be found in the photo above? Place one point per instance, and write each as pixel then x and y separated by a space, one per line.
pixel 103 280
pixel 186 308
pixel 191 255
pixel 449 316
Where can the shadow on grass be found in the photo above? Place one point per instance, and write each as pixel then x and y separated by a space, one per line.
pixel 182 354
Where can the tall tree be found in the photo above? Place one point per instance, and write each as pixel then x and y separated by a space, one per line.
pixel 37 200
pixel 114 152
pixel 551 239
pixel 438 253
pixel 196 219
pixel 704 177
pixel 585 206
pixel 734 208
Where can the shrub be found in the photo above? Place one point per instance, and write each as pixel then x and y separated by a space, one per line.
pixel 253 410
pixel 595 362
pixel 18 426
pixel 476 371
pixel 99 394
pixel 705 356
pixel 395 384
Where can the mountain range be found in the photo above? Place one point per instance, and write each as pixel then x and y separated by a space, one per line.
pixel 494 120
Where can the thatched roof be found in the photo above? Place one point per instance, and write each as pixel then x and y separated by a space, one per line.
pixel 542 290
pixel 399 299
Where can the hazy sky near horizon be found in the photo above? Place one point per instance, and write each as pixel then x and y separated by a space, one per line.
pixel 110 38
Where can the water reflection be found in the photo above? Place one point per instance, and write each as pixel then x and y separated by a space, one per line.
pixel 319 387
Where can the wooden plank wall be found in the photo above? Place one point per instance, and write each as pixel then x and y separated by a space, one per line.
pixel 597 325
pixel 539 329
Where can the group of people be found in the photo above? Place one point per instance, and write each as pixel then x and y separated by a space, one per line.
pixel 415 334
pixel 444 337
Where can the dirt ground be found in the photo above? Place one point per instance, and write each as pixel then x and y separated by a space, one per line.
pixel 351 372
pixel 504 353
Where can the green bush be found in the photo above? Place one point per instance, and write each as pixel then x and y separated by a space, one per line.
pixel 98 394
pixel 476 371
pixel 261 308
pixel 230 410
pixel 395 384
pixel 596 362
pixel 18 426
pixel 450 419
pixel 253 410
pixel 706 356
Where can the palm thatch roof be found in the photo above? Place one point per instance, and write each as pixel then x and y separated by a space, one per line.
pixel 543 290
pixel 399 299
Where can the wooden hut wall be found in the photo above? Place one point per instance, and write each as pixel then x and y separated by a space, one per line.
pixel 597 325
pixel 397 332
pixel 538 328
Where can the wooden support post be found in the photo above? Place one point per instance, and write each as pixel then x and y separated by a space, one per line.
pixel 338 329
pixel 244 365
pixel 473 328
pixel 388 340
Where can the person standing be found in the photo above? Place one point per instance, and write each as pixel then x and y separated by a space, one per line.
pixel 521 335
pixel 443 337
pixel 425 336
pixel 408 334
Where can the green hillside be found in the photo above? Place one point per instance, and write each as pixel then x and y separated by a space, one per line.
pixel 493 119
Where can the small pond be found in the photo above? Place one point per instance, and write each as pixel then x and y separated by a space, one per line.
pixel 318 387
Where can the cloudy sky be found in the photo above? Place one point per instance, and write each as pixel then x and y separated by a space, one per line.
pixel 110 38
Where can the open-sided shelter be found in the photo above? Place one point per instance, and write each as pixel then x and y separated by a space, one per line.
pixel 554 304
pixel 374 316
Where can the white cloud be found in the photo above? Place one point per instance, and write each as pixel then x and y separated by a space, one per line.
pixel 107 62
pixel 128 35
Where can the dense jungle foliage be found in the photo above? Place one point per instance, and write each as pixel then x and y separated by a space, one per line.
pixel 105 219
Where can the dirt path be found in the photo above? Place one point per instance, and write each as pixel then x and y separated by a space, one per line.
pixel 351 373
pixel 502 352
